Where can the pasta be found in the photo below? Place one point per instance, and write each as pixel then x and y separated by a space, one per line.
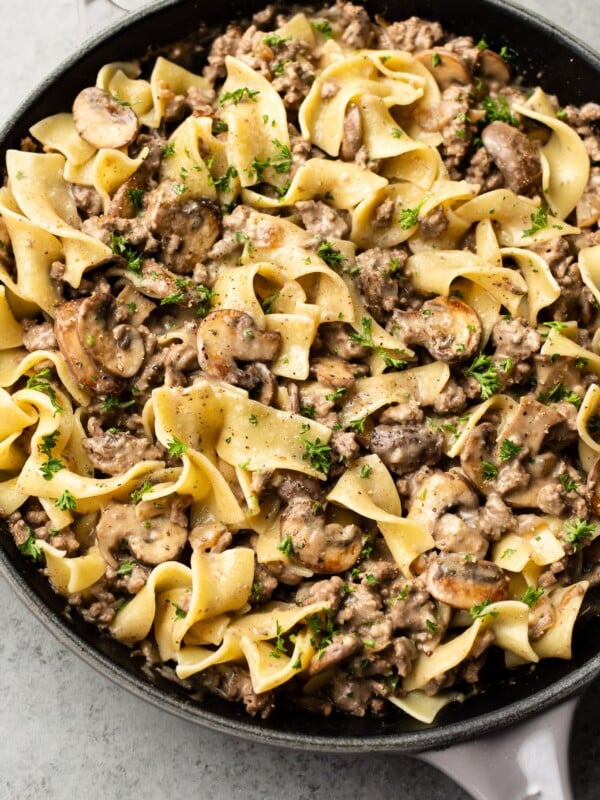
pixel 298 375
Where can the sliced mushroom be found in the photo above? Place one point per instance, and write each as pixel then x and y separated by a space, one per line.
pixel 84 368
pixel 116 346
pixel 324 548
pixel 515 156
pixel 464 583
pixel 102 120
pixel 493 66
pixel 352 138
pixel 333 371
pixel 531 424
pixel 446 327
pixel 445 66
pixel 152 540
pixel 228 334
pixel 210 537
pixel 187 228
pixel 479 448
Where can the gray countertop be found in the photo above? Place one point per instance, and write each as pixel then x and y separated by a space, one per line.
pixel 67 732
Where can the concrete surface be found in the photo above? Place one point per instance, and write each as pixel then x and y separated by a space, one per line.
pixel 67 732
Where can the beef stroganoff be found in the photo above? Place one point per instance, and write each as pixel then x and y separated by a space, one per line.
pixel 299 362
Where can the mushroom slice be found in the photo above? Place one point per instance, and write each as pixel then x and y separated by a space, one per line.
pixel 228 334
pixel 84 368
pixel 187 228
pixel 152 540
pixel 479 448
pixel 445 326
pixel 324 548
pixel 117 347
pixel 102 120
pixel 445 66
pixel 516 157
pixel 531 424
pixel 493 66
pixel 463 583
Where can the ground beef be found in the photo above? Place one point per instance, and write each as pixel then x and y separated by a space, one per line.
pixel 377 279
pixel 38 337
pixel 403 448
pixel 410 34
pixel 322 220
pixel 114 453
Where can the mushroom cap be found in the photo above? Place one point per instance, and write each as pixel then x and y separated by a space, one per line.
pixel 445 66
pixel 118 348
pixel 463 583
pixel 103 120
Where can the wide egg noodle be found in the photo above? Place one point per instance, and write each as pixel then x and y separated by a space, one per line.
pixel 344 184
pixel 375 497
pixel 41 192
pixel 567 162
pixel 542 287
pixel 106 171
pixel 556 642
pixel 185 166
pixel 70 575
pixel 12 331
pixel 264 115
pixel 58 132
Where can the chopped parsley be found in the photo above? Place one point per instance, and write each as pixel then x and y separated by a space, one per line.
pixel 365 339
pixel 286 547
pixel 168 150
pixel 125 568
pixel 39 382
pixel 223 184
pixel 498 110
pixel 409 217
pixel 282 163
pixel 479 611
pixel 431 626
pixel 30 547
pixel 559 394
pixel 275 39
pixel 48 443
pixel 253 419
pixel 510 551
pixel 205 298
pixel 121 247
pixel 567 482
pixel 109 403
pixel 531 595
pixel 332 257
pixel 50 467
pixel 175 447
pixel 357 425
pixel 324 27
pixel 577 530
pixel 279 643
pixel 509 449
pixel 539 221
pixel 333 396
pixel 489 470
pixel 136 198
pixel 436 59
pixel 66 501
pixel 267 303
pixel 483 369
pixel 138 493
pixel 219 126
pixel 318 455
pixel 365 471
pixel 238 95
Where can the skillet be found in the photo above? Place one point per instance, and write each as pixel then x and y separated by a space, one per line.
pixel 573 74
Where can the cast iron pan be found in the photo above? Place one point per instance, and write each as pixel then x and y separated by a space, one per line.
pixel 543 55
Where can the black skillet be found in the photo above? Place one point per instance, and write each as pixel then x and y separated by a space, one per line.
pixel 541 700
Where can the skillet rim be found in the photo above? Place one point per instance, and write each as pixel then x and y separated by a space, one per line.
pixel 441 735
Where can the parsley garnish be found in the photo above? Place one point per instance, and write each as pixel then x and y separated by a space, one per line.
pixel 175 447
pixel 409 217
pixel 539 221
pixel 275 39
pixel 559 394
pixel 436 59
pixel 365 471
pixel 323 27
pixel 498 110
pixel 31 548
pixel 219 126
pixel 365 339
pixel 333 396
pixel 357 425
pixel 332 257
pixel 138 493
pixel 577 530
pixel 48 443
pixel 121 247
pixel 109 403
pixel 267 303
pixel 39 382
pixel 125 568
pixel 317 454
pixel 205 296
pixel 489 471
pixel 567 482
pixel 168 150
pixel 509 449
pixel 136 197
pixel 223 184
pixel 479 611
pixel 50 467
pixel 286 547
pixel 483 369
pixel 238 95
pixel 531 596
pixel 66 501
pixel 279 643
pixel 431 625
pixel 508 552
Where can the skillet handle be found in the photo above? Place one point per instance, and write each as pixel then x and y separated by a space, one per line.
pixel 528 761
